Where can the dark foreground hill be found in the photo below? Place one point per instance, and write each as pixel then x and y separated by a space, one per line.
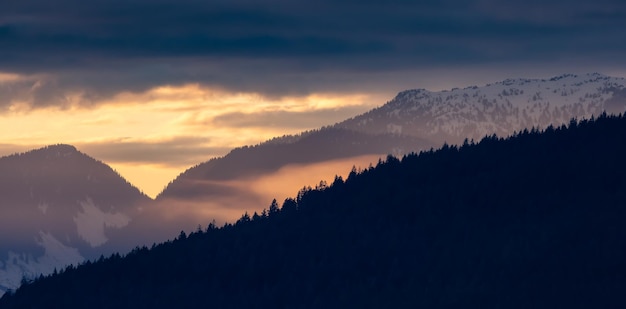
pixel 533 221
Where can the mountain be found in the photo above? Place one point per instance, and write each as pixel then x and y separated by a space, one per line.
pixel 58 206
pixel 313 146
pixel 501 108
pixel 414 120
pixel 531 221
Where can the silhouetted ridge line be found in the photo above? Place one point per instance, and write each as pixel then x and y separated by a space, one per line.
pixel 531 221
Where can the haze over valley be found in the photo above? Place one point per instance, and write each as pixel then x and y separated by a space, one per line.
pixel 69 207
pixel 247 133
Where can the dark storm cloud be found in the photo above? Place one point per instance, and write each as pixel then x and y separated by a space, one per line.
pixel 278 47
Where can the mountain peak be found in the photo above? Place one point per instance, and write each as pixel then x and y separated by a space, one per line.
pixel 57 151
pixel 501 108
pixel 63 148
pixel 58 206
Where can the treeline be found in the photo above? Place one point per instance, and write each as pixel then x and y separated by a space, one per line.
pixel 531 221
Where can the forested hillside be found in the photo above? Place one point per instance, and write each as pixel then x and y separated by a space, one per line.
pixel 414 120
pixel 532 221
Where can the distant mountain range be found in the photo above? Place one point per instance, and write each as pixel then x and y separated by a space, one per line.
pixel 532 221
pixel 321 145
pixel 415 120
pixel 59 206
pixel 500 108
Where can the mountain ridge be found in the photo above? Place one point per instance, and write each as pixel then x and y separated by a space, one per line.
pixel 483 225
pixel 500 108
pixel 58 206
pixel 413 120
pixel 433 118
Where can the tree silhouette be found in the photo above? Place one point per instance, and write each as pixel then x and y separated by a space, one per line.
pixel 532 221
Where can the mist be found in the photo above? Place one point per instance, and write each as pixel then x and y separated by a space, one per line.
pixel 230 199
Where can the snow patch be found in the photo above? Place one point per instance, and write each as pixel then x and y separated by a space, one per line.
pixel 394 129
pixel 56 253
pixel 503 108
pixel 21 265
pixel 43 207
pixel 92 221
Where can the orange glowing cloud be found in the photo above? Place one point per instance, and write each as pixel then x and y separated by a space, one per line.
pixel 152 136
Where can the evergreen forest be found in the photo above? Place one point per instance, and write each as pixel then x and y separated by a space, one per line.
pixel 536 220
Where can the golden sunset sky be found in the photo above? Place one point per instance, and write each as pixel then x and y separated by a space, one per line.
pixel 154 87
pixel 152 136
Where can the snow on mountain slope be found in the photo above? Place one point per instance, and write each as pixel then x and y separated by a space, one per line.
pixel 57 197
pixel 501 108
pixel 414 120
pixel 91 222
pixel 24 265
pixel 59 206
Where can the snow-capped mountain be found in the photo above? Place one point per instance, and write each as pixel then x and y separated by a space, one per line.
pixel 415 120
pixel 501 108
pixel 57 207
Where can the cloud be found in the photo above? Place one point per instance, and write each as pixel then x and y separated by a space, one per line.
pixel 561 12
pixel 226 201
pixel 93 51
pixel 23 92
pixel 173 125
pixel 288 119
pixel 177 151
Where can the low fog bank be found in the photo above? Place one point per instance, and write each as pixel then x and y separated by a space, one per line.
pixel 26 252
pixel 230 199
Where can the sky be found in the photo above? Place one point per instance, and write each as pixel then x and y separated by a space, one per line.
pixel 152 87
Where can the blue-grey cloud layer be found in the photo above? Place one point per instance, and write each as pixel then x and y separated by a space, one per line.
pixel 280 46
